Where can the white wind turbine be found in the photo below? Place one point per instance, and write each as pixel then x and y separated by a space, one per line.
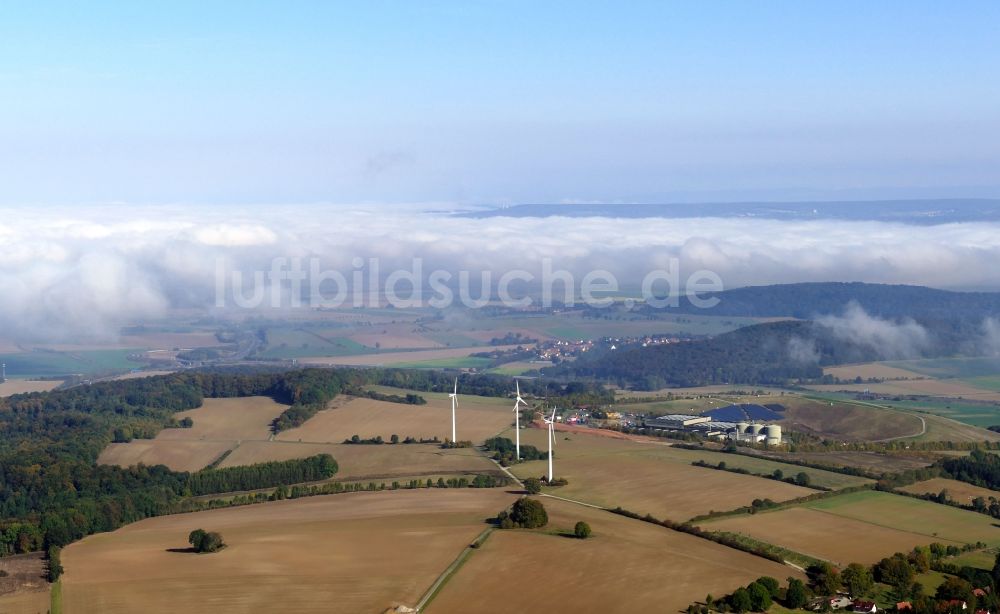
pixel 517 421
pixel 454 401
pixel 551 422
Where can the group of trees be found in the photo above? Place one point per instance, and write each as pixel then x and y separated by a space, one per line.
pixel 526 513
pixel 860 581
pixel 262 475
pixel 758 596
pixel 205 541
pixel 505 452
pixel 52 491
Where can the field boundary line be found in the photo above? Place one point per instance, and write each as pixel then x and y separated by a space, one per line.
pixel 446 575
pixel 583 503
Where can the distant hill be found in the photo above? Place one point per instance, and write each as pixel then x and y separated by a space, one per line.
pixel 808 300
pixel 922 212
pixel 838 323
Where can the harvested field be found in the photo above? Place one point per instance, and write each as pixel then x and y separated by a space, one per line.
pixel 219 425
pixel 477 418
pixel 868 461
pixel 393 358
pixel 169 341
pixel 922 387
pixel 872 369
pixel 359 552
pixel 231 419
pixel 665 570
pixel 22 386
pixel 959 492
pixel 646 478
pixel 358 462
pixel 24 589
pixel 178 454
pixel 822 535
pixel 390 340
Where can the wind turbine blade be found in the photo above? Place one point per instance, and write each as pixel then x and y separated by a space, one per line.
pixel 553 418
pixel 518 384
pixel 456 385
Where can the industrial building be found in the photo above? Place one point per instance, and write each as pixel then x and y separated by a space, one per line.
pixel 745 431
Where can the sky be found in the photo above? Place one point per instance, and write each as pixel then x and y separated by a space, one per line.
pixel 491 103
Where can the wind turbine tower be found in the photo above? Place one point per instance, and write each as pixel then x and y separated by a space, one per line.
pixel 454 401
pixel 551 422
pixel 517 421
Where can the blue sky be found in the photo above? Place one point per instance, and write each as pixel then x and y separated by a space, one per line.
pixel 500 102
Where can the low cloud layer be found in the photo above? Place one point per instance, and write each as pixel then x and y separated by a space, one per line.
pixel 73 272
pixel 889 340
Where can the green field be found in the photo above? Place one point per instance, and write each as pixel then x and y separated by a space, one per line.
pixel 52 363
pixel 762 466
pixel 453 339
pixel 912 515
pixel 299 343
pixel 951 367
pixel 462 362
pixel 982 414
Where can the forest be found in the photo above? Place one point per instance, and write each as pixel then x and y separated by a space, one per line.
pixel 52 491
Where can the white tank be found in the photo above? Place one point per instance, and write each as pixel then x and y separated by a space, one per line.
pixel 774 435
pixel 742 427
pixel 756 428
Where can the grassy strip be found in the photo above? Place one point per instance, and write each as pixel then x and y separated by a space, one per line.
pixel 769 506
pixel 767 476
pixel 745 451
pixel 215 464
pixel 758 549
pixel 55 598
pixel 452 569
pixel 789 556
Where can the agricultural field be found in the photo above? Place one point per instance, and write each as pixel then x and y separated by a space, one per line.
pixel 820 535
pixel 959 492
pixel 219 425
pixel 950 367
pixel 23 587
pixel 361 462
pixel 477 419
pixel 302 342
pixel 440 357
pixel 874 462
pixel 52 363
pixel 871 370
pixel 21 386
pixel 830 528
pixel 937 522
pixel 520 367
pixel 646 477
pixel 358 552
pixel 665 570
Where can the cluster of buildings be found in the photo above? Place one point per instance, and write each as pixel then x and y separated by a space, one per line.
pixel 564 349
pixel 747 431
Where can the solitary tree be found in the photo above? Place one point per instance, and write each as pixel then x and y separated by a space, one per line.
pixel 582 530
pixel 529 513
pixel 802 479
pixel 533 486
pixel 394 438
